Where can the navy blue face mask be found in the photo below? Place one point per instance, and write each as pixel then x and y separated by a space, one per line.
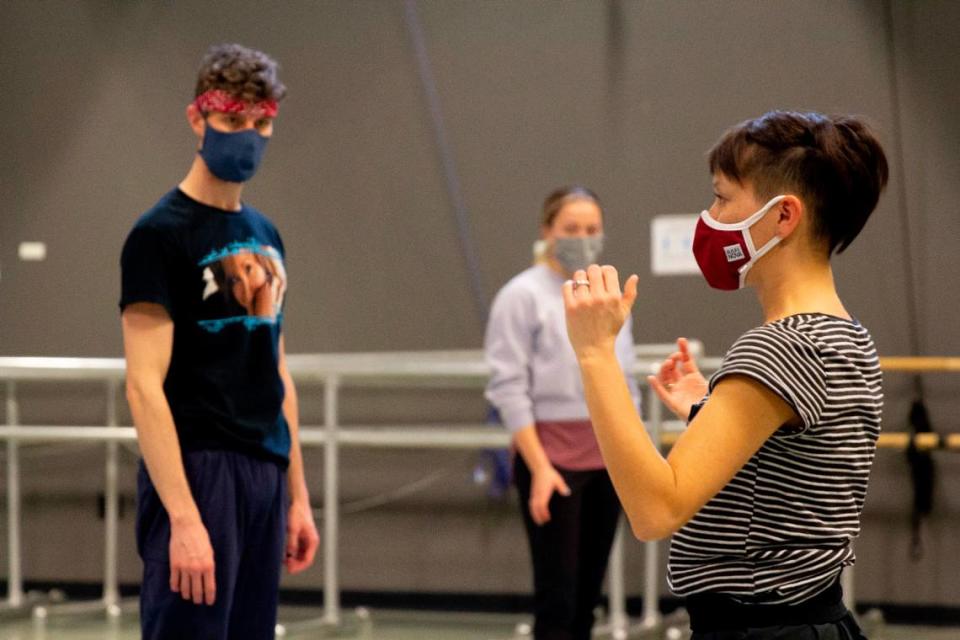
pixel 233 157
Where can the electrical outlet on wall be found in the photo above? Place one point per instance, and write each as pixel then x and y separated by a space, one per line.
pixel 32 251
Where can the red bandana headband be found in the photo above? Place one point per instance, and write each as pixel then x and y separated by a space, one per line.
pixel 223 102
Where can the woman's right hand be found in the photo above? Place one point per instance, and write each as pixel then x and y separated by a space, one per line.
pixel 679 382
pixel 543 483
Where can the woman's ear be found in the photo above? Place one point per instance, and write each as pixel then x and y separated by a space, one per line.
pixel 791 213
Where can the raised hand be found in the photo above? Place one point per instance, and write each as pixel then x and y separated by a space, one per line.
pixel 679 382
pixel 596 308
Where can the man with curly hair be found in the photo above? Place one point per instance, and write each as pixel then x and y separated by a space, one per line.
pixel 222 500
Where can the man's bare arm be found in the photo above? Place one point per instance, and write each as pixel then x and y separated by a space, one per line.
pixel 148 345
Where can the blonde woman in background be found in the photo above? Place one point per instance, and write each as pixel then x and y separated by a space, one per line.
pixel 569 506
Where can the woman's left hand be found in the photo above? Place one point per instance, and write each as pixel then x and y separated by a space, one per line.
pixel 596 308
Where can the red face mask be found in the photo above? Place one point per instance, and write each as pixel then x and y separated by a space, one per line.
pixel 725 252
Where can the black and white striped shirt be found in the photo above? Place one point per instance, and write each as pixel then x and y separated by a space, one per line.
pixel 781 530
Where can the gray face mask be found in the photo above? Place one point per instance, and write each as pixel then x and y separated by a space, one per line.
pixel 577 253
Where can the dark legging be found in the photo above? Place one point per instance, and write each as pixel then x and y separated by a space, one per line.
pixel 570 552
pixel 843 629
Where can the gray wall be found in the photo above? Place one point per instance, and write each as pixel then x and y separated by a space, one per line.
pixel 623 96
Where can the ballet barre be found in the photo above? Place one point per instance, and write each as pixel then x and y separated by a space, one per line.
pixel 920 364
pixel 463 369
pixel 448 369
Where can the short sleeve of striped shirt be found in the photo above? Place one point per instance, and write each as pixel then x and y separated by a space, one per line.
pixel 785 361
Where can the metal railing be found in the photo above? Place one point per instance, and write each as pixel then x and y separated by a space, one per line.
pixel 450 369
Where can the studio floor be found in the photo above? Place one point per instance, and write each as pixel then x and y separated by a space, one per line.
pixel 387 625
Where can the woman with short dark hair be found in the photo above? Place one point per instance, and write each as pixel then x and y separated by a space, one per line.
pixel 763 492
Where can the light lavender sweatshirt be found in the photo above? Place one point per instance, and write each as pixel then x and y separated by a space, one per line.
pixel 534 372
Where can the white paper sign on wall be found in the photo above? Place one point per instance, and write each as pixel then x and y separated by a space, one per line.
pixel 671 244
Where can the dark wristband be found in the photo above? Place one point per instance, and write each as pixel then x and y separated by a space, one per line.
pixel 694 409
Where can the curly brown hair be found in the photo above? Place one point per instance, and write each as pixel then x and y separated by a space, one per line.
pixel 244 73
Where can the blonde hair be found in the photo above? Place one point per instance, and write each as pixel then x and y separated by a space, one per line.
pixel 559 197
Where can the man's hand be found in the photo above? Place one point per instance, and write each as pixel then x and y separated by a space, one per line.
pixel 191 562
pixel 302 537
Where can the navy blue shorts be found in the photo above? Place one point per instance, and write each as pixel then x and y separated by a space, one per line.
pixel 243 504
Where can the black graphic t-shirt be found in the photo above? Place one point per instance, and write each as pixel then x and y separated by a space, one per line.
pixel 220 275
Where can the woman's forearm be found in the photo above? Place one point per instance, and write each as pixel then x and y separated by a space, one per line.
pixel 642 477
pixel 531 449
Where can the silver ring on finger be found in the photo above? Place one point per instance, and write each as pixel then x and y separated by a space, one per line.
pixel 581 283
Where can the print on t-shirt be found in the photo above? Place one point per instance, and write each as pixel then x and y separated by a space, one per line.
pixel 244 282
